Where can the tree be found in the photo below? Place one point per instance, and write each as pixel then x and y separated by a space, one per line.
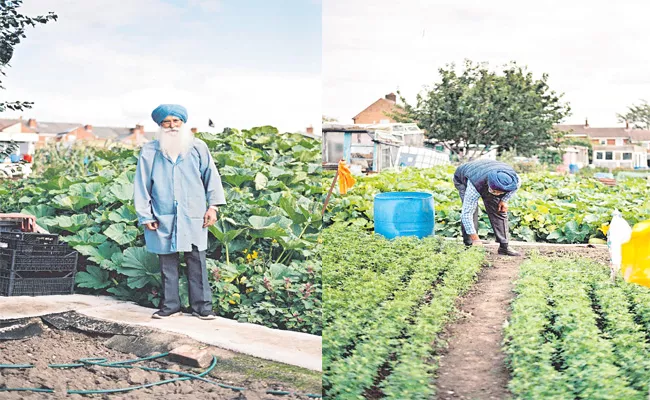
pixel 511 110
pixel 637 115
pixel 327 120
pixel 12 30
pixel 6 149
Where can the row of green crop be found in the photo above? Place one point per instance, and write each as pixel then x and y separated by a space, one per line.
pixel 572 334
pixel 549 207
pixel 385 302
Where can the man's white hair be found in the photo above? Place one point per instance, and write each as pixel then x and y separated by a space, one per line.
pixel 175 140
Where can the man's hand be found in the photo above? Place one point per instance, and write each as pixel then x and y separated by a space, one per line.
pixel 476 241
pixel 210 217
pixel 503 207
pixel 152 226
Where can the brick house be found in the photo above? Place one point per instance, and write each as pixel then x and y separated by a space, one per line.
pixel 614 147
pixel 376 112
pixel 80 133
pixel 31 134
pixel 48 131
pixel 101 135
pixel 70 132
pixel 13 130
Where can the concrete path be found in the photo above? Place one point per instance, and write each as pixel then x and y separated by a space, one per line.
pixel 293 348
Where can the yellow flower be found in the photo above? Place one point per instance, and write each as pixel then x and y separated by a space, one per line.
pixel 236 295
pixel 254 254
pixel 249 290
pixel 604 228
pixel 231 302
pixel 249 257
pixel 245 251
pixel 242 279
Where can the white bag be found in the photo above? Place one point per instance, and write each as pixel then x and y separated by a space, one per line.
pixel 619 232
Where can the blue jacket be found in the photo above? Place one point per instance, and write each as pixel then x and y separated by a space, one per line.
pixel 477 172
pixel 177 196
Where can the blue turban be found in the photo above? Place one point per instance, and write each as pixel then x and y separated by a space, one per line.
pixel 164 110
pixel 505 181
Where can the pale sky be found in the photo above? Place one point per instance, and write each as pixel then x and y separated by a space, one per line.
pixel 241 63
pixel 595 52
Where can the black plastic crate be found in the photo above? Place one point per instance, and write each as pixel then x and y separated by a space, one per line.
pixel 60 259
pixel 35 284
pixel 34 247
pixel 30 237
pixel 8 226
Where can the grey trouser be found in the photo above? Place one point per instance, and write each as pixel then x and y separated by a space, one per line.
pixel 498 219
pixel 197 279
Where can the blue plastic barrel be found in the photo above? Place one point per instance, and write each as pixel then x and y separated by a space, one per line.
pixel 404 214
pixel 573 168
pixel 14 158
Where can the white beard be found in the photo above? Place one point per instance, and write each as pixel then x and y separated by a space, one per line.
pixel 175 141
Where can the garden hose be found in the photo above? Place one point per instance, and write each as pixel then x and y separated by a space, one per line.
pixel 102 391
pixel 102 362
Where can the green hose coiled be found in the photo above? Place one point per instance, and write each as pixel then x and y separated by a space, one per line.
pixel 102 362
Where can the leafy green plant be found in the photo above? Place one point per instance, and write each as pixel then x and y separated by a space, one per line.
pixel 268 230
pixel 7 149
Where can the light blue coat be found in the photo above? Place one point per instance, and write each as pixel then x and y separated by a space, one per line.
pixel 177 195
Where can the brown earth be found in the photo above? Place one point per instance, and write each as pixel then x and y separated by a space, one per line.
pixel 472 366
pixel 67 346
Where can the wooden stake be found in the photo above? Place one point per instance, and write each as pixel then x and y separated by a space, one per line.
pixel 327 199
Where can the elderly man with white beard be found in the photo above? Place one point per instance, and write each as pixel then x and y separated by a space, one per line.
pixel 177 193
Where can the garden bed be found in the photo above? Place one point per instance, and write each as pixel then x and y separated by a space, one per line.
pixel 421 319
pixel 64 346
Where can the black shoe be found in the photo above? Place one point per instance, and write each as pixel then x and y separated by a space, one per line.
pixel 205 315
pixel 508 252
pixel 160 314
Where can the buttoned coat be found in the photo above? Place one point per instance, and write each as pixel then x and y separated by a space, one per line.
pixel 176 194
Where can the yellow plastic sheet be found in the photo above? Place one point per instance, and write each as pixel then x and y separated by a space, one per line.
pixel 346 180
pixel 635 261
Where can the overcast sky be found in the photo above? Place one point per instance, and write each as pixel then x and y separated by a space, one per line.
pixel 596 52
pixel 241 63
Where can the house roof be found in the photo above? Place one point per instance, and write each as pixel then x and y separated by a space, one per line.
pixel 344 128
pixel 41 127
pixel 62 128
pixel 383 101
pixel 107 132
pixel 634 134
pixel 53 127
pixel 640 135
pixel 4 123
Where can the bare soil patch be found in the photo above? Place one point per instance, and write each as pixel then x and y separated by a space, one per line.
pixel 69 345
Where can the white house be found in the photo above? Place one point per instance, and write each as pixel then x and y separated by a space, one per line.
pixel 11 130
pixel 614 147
